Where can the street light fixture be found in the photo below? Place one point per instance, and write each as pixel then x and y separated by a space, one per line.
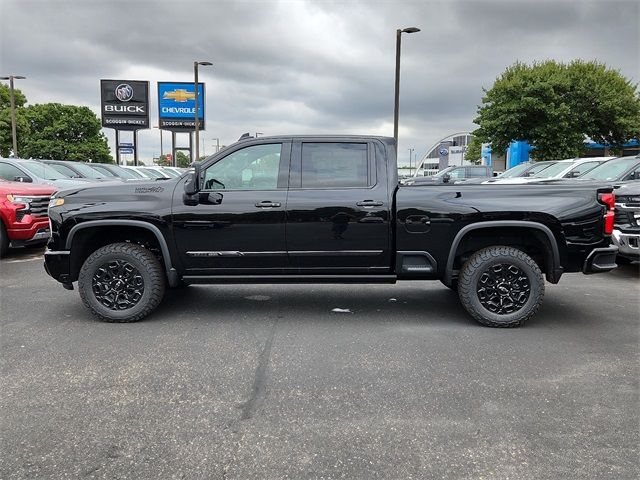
pixel 197 119
pixel 399 33
pixel 11 78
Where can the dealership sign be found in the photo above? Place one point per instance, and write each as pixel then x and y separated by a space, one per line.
pixel 124 104
pixel 176 106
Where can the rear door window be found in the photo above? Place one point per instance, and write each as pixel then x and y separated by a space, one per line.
pixel 335 165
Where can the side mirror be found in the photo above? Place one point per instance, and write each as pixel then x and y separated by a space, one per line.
pixel 446 177
pixel 495 174
pixel 23 179
pixel 192 186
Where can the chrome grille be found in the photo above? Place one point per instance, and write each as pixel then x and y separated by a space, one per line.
pixel 38 206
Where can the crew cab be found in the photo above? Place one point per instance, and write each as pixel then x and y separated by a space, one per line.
pixel 23 214
pixel 324 209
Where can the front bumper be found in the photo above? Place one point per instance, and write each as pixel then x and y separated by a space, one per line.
pixel 57 265
pixel 628 243
pixel 600 260
pixel 30 232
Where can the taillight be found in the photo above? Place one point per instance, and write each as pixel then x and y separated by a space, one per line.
pixel 608 199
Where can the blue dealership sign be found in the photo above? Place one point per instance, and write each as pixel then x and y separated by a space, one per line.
pixel 176 106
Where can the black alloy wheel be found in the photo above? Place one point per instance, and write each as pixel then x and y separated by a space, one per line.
pixel 501 286
pixel 122 282
pixel 118 285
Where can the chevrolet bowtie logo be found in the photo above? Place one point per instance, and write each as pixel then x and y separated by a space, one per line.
pixel 179 95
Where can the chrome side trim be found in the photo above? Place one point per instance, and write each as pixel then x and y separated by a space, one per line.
pixel 331 253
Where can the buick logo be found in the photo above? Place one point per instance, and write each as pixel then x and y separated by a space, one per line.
pixel 124 92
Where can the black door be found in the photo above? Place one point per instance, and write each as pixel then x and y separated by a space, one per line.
pixel 338 209
pixel 239 225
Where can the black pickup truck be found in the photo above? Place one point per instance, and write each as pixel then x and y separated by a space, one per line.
pixel 324 209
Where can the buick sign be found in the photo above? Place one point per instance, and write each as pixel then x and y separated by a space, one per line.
pixel 124 104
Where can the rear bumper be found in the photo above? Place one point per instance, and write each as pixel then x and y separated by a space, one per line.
pixel 628 243
pixel 600 260
pixel 56 264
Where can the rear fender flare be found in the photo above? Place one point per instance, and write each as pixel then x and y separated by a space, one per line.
pixel 553 275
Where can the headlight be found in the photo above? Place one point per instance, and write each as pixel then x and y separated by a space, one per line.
pixel 56 202
pixel 18 199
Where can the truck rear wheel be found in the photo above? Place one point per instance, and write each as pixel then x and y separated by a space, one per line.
pixel 121 282
pixel 501 286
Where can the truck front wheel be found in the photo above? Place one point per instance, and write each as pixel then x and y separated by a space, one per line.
pixel 121 282
pixel 501 286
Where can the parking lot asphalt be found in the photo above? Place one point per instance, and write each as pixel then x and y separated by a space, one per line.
pixel 266 382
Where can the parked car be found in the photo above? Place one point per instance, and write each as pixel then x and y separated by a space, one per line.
pixel 32 171
pixel 23 214
pixel 526 169
pixel 76 170
pixel 570 168
pixel 300 209
pixel 116 171
pixel 149 172
pixel 626 233
pixel 621 169
pixel 169 172
pixel 455 174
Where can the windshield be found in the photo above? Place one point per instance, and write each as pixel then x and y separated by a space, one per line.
pixel 87 171
pixel 170 172
pixel 539 167
pixel 553 170
pixel 134 173
pixel 611 170
pixel 64 170
pixel 104 171
pixel 515 171
pixel 42 170
pixel 124 173
pixel 151 173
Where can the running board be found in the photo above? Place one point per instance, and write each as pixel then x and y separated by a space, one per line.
pixel 213 279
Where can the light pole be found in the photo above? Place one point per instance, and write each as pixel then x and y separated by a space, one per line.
pixel 161 149
pixel 197 119
pixel 410 155
pixel 14 135
pixel 399 33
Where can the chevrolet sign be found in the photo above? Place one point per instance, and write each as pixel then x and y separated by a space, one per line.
pixel 176 106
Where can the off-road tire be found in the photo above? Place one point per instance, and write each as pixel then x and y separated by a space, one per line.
pixel 4 240
pixel 143 261
pixel 478 264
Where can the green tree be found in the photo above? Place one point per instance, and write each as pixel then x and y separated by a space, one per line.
pixel 22 127
pixel 182 159
pixel 473 153
pixel 64 132
pixel 555 106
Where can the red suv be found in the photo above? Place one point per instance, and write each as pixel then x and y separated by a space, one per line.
pixel 23 214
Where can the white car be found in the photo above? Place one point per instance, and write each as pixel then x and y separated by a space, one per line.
pixel 570 168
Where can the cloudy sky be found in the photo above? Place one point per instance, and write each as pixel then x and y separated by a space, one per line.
pixel 286 67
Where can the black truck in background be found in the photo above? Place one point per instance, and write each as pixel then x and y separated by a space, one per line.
pixel 324 209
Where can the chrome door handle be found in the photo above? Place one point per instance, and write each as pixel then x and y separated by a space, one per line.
pixel 369 203
pixel 267 204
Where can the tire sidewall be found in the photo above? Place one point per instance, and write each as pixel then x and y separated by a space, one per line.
pixel 535 281
pixel 85 284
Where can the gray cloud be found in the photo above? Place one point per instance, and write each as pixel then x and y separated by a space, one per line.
pixel 298 67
